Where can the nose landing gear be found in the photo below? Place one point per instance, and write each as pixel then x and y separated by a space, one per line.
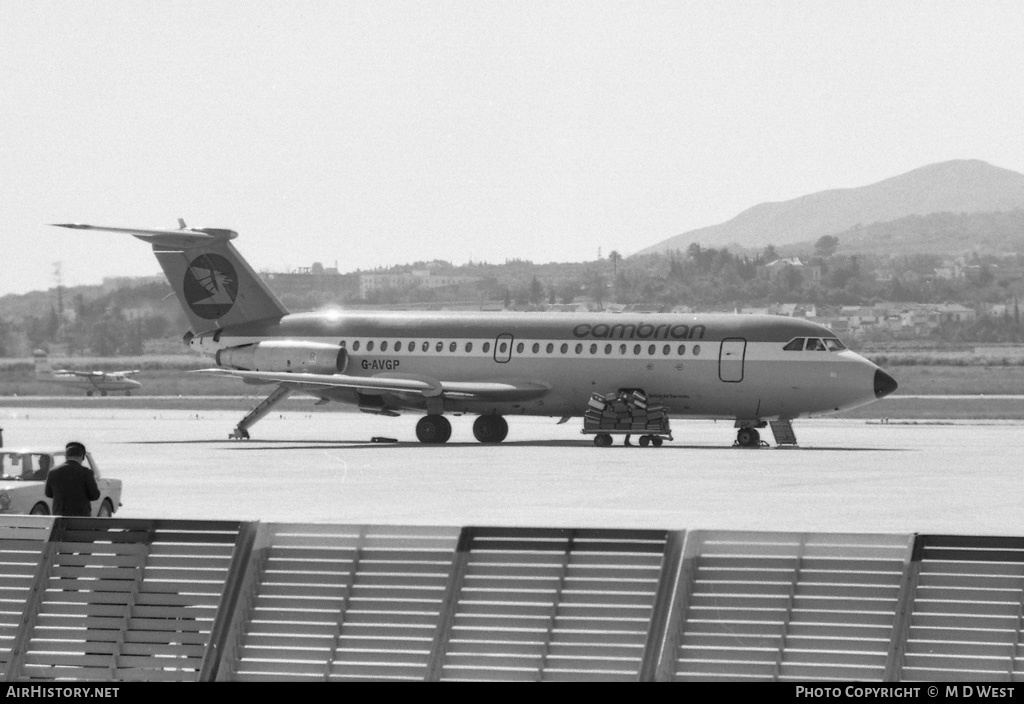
pixel 748 437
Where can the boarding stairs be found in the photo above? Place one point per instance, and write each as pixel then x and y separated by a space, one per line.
pixel 783 432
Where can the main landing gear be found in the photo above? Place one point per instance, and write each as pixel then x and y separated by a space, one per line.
pixel 490 429
pixel 433 430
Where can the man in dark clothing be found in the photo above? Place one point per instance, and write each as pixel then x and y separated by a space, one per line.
pixel 72 486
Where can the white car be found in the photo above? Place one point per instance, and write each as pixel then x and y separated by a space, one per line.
pixel 23 482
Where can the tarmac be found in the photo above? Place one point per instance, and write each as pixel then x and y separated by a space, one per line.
pixel 846 475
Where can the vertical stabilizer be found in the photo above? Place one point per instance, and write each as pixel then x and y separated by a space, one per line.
pixel 216 287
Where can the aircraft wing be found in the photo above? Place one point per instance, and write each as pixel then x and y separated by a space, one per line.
pixel 85 375
pixel 397 383
pixel 126 372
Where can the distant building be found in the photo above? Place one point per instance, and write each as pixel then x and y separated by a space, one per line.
pixel 955 313
pixel 110 284
pixel 316 278
pixel 420 278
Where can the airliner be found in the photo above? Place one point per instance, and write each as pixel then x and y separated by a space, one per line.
pixel 90 382
pixel 749 369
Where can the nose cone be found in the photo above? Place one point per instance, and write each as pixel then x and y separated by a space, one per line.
pixel 884 384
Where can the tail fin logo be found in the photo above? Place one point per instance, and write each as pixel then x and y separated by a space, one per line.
pixel 210 286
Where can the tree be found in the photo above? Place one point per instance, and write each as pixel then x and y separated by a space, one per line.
pixel 770 254
pixel 614 257
pixel 826 246
pixel 536 291
pixel 595 288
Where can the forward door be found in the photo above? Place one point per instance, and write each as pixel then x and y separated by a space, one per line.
pixel 730 359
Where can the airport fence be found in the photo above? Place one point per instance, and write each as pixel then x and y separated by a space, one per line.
pixel 159 600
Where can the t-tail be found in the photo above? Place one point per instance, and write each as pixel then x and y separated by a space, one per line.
pixel 43 368
pixel 215 286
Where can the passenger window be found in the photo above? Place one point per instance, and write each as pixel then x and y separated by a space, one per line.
pixel 681 351
pixel 636 349
pixel 564 348
pixel 355 346
pixel 502 347
pixel 593 349
pixel 550 348
pixel 650 349
pixel 469 347
pixel 579 349
pixel 520 347
pixel 536 347
pixel 622 349
pixel 453 346
pixel 487 347
pixel 607 349
pixel 814 345
pixel 426 346
pixel 439 346
pixel 412 346
pixel 795 345
pixel 384 346
pixel 696 350
pixel 369 346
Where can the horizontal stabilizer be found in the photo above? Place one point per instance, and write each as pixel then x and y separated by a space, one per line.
pixel 183 239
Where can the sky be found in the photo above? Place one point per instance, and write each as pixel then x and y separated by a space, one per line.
pixel 368 134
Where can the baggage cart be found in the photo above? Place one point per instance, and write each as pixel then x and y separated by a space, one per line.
pixel 627 412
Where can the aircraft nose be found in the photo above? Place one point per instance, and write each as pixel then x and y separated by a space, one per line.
pixel 884 384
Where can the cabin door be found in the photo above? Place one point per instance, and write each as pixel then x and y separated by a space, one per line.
pixel 503 348
pixel 730 359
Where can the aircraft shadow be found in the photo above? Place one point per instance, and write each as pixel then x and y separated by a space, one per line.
pixel 270 445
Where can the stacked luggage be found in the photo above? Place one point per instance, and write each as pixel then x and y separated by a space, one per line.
pixel 625 412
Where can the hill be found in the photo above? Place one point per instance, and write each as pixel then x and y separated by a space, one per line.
pixel 962 186
pixel 945 234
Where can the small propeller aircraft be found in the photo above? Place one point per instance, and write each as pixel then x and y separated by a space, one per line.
pixel 92 382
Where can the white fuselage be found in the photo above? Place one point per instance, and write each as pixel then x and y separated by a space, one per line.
pixel 699 366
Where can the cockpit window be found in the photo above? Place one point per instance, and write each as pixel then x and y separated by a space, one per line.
pixel 815 345
pixel 834 345
pixel 795 345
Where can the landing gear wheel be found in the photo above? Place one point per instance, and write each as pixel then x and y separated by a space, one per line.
pixel 88 393
pixel 433 430
pixel 748 437
pixel 103 393
pixel 127 393
pixel 645 440
pixel 490 429
pixel 40 509
pixel 603 440
pixel 656 441
pixel 106 509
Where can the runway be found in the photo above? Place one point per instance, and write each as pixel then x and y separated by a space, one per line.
pixel 852 475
